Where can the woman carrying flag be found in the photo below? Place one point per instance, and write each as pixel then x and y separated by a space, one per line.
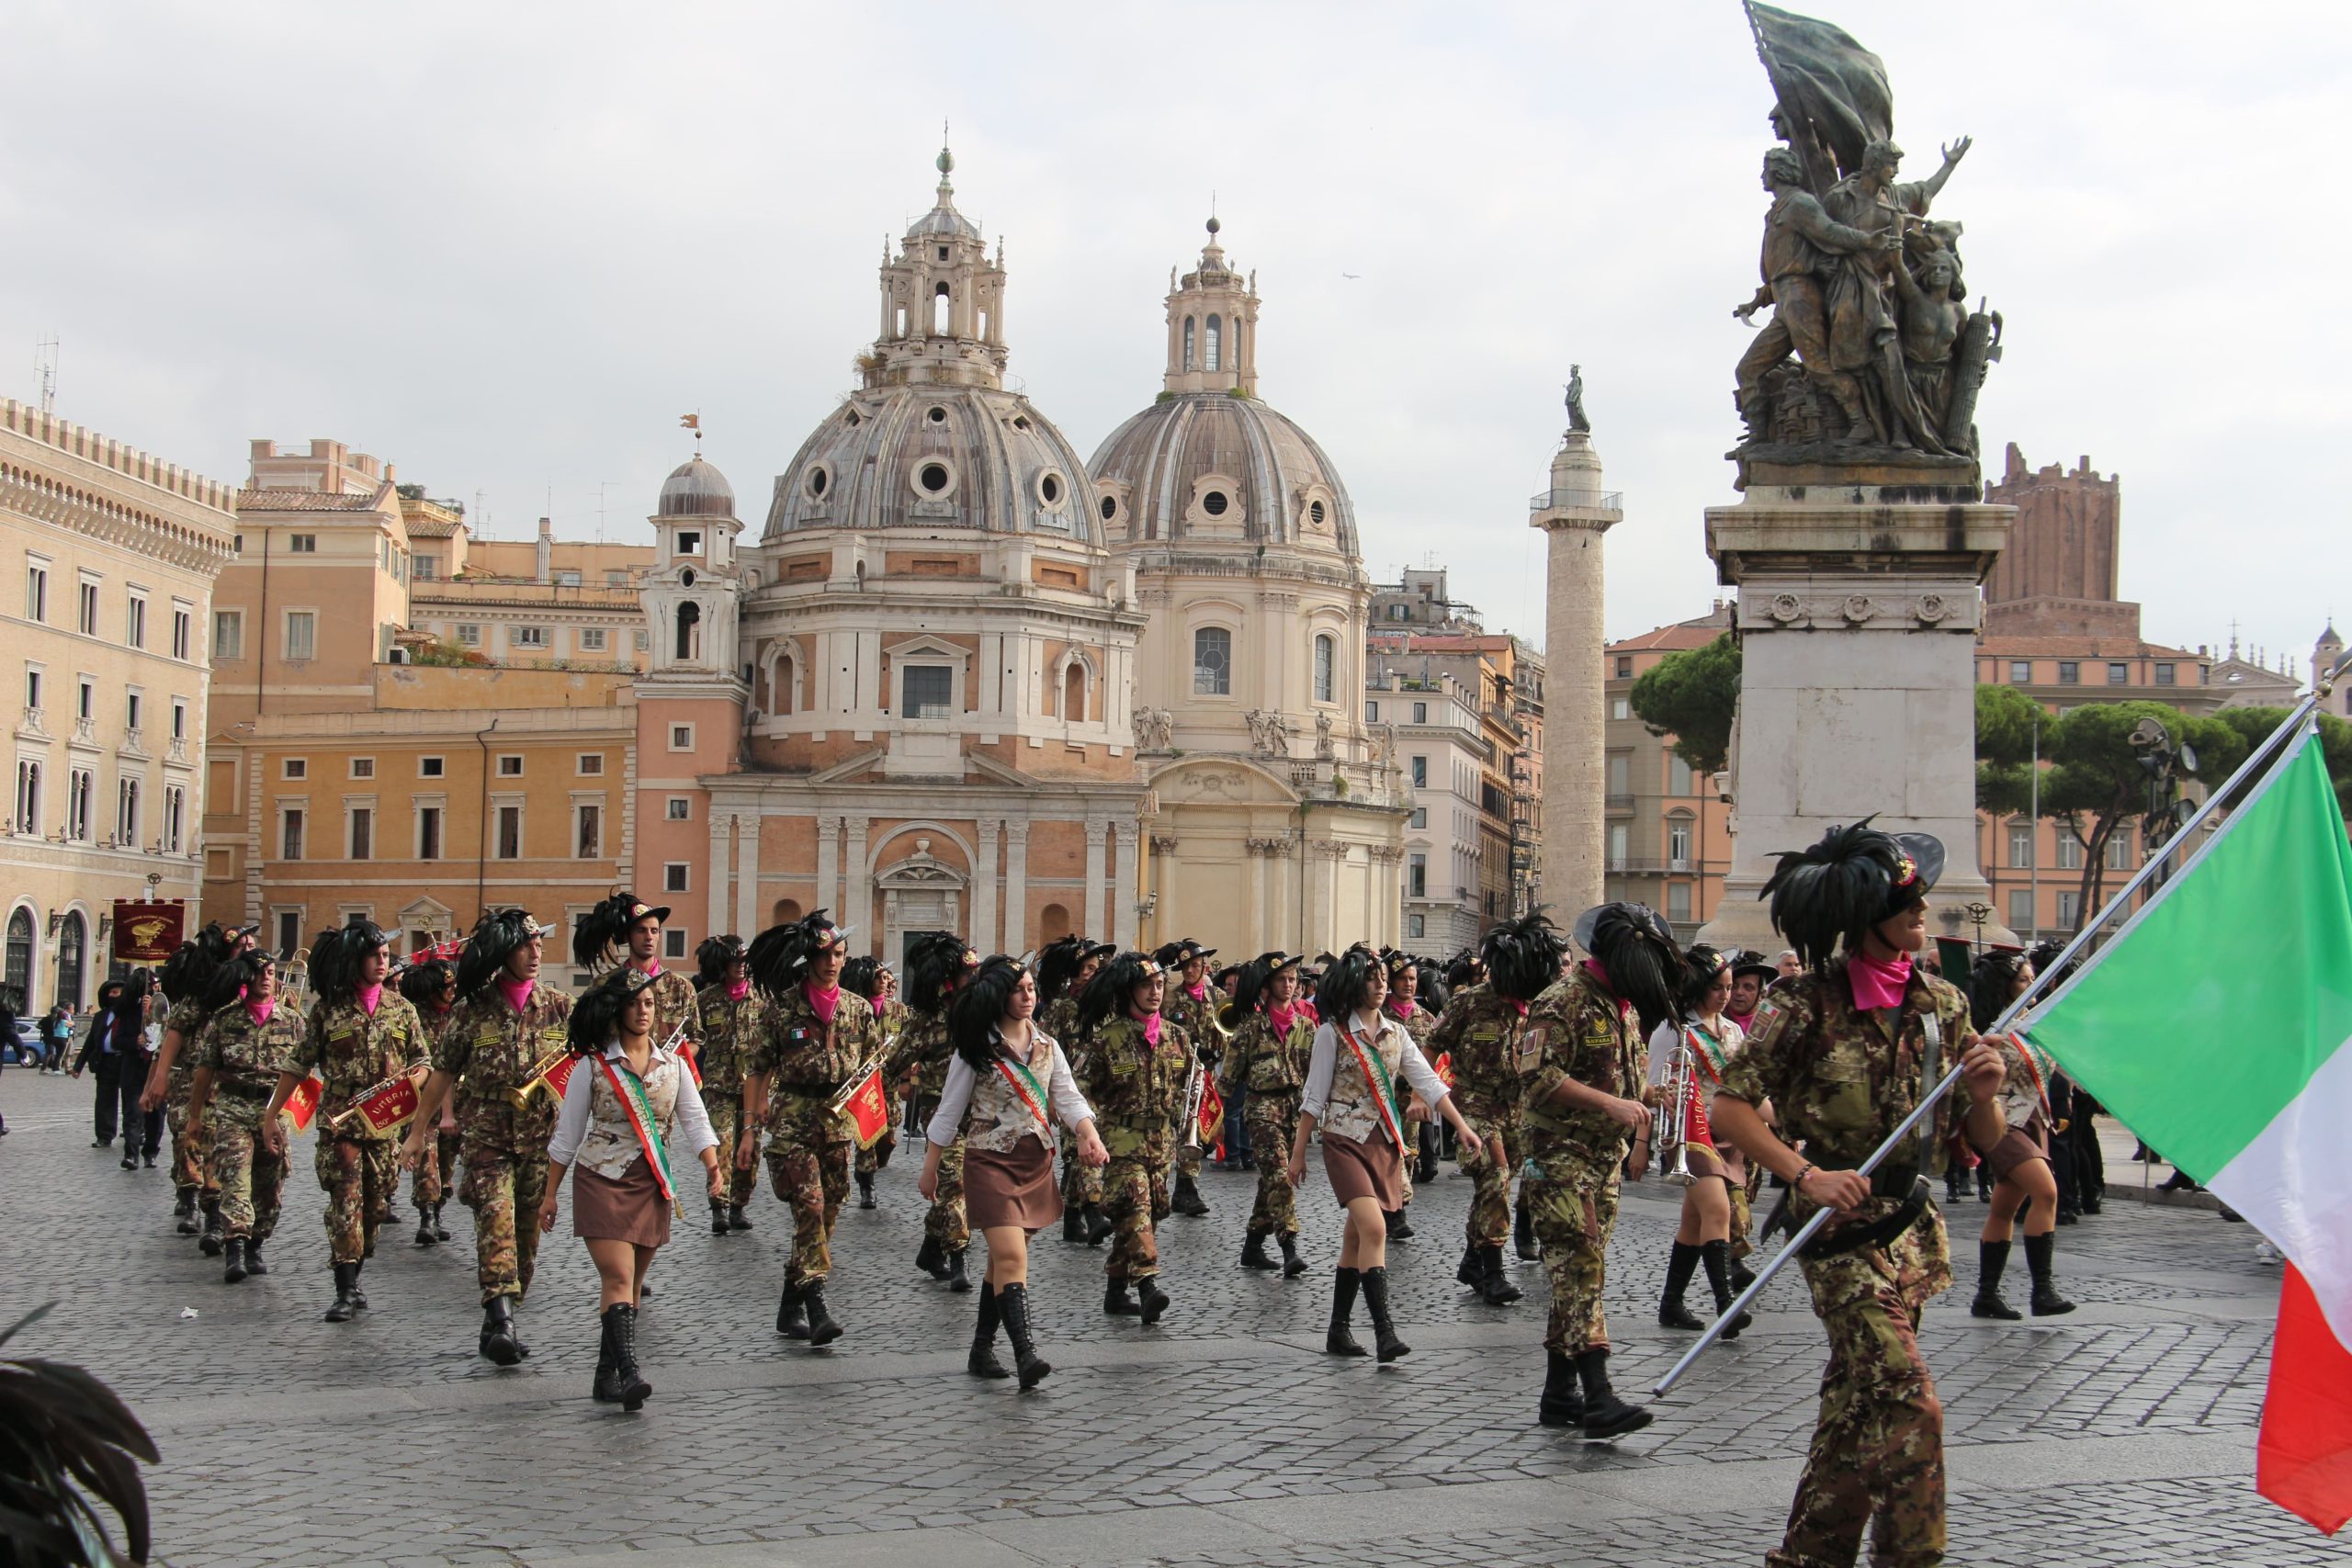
pixel 1359 1053
pixel 1710 1038
pixel 1007 1084
pixel 626 1095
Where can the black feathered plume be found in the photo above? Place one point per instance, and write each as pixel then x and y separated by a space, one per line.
pixel 190 968
pixel 1058 965
pixel 1834 892
pixel 1636 948
pixel 980 1001
pixel 859 974
pixel 1522 956
pixel 232 980
pixel 495 937
pixel 1106 994
pixel 422 984
pixel 1462 969
pixel 335 958
pixel 778 957
pixel 601 936
pixel 1434 992
pixel 1992 980
pixel 1345 984
pixel 933 960
pixel 596 1016
pixel 714 953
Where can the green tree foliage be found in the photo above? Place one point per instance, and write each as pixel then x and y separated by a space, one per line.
pixel 1691 695
pixel 2006 719
pixel 2096 785
pixel 2335 742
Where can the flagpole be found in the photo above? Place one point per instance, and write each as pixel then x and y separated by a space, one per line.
pixel 2255 762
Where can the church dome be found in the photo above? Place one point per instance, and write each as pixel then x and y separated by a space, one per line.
pixel 1210 466
pixel 695 489
pixel 929 457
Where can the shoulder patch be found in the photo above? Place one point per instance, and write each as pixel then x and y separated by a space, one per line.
pixel 1771 1021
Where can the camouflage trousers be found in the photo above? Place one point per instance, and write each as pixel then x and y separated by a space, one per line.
pixel 357 1178
pixel 1742 1213
pixel 436 1169
pixel 250 1179
pixel 1135 1199
pixel 813 1179
pixel 505 1191
pixel 1878 1451
pixel 1081 1183
pixel 725 1108
pixel 946 1224
pixel 191 1172
pixel 1572 1203
pixel 1274 1123
pixel 1489 1221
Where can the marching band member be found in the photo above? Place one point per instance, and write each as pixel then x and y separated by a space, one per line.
pixel 937 962
pixel 1845 1051
pixel 1063 971
pixel 820 1039
pixel 505 1030
pixel 358 1039
pixel 624 928
pixel 628 1093
pixel 1416 1023
pixel 1135 1074
pixel 735 1018
pixel 431 989
pixel 1704 1044
pixel 1351 1094
pixel 246 1041
pixel 185 977
pixel 1192 1004
pixel 872 979
pixel 1265 1066
pixel 1007 1084
pixel 1580 1072
pixel 2020 1159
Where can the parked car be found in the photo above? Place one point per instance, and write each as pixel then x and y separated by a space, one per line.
pixel 26 1048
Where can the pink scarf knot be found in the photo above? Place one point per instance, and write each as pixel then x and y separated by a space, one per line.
pixel 1282 1017
pixel 738 989
pixel 1877 982
pixel 1151 1029
pixel 517 992
pixel 822 1003
pixel 368 997
pixel 259 1012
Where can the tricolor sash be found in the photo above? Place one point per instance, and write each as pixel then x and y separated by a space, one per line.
pixel 1376 1072
pixel 2038 1066
pixel 1026 1089
pixel 630 1090
pixel 1708 1052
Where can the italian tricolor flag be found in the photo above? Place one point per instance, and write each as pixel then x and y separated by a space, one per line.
pixel 2217 1024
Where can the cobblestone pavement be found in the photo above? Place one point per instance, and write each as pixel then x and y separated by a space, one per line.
pixel 2124 1433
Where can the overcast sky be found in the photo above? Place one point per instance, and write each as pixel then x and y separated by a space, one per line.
pixel 504 246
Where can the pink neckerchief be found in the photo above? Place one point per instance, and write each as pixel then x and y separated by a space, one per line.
pixel 1592 967
pixel 259 1012
pixel 1519 1006
pixel 1282 1017
pixel 652 967
pixel 738 989
pixel 1151 1022
pixel 1734 1018
pixel 368 997
pixel 1877 982
pixel 1199 993
pixel 1400 1012
pixel 517 992
pixel 821 1003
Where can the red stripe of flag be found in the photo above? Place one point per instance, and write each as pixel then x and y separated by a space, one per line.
pixel 2303 1461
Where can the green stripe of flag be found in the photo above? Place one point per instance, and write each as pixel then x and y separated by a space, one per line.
pixel 2213 1008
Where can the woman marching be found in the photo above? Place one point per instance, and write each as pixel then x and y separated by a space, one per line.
pixel 431 989
pixel 1352 1093
pixel 2022 1178
pixel 627 1094
pixel 1006 1084
pixel 1710 1040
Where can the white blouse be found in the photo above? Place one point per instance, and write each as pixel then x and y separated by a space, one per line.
pixel 593 1129
pixel 1354 1119
pixel 1062 1098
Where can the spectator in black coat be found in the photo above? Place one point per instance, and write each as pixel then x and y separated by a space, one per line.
pixel 116 1048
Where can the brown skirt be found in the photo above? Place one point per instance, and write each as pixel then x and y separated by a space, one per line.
pixel 2018 1145
pixel 1015 1189
pixel 1365 1170
pixel 629 1210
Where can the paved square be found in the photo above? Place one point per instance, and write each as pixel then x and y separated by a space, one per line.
pixel 2122 1433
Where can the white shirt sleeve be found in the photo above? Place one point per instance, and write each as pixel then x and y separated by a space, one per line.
pixel 687 1111
pixel 572 1124
pixel 953 1100
pixel 1419 1074
pixel 1321 1058
pixel 1062 1091
pixel 1662 1040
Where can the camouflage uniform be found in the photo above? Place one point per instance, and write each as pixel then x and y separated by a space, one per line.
pixel 190 1170
pixel 1576 1030
pixel 245 1058
pixel 1840 1079
pixel 806 1062
pixel 1137 1091
pixel 923 1044
pixel 889 1023
pixel 1269 1069
pixel 732 1028
pixel 1081 1183
pixel 1481 1030
pixel 1416 1026
pixel 502 1131
pixel 1197 1015
pixel 676 1000
pixel 353 1050
pixel 436 1169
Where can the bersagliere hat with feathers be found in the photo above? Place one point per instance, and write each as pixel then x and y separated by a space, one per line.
pixel 936 961
pixel 779 957
pixel 1107 993
pixel 602 935
pixel 495 937
pixel 714 953
pixel 1522 956
pixel 1635 949
pixel 1853 879
pixel 338 953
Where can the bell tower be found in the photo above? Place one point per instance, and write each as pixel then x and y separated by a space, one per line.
pixel 1212 326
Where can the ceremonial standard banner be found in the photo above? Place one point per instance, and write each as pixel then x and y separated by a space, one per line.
pixel 146 933
pixel 2218 1026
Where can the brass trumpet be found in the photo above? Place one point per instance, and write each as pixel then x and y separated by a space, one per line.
pixel 1669 1124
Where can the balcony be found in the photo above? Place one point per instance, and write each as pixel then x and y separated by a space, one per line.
pixel 176 751
pixel 1581 500
pixel 85 731
pixel 1617 802
pixel 134 743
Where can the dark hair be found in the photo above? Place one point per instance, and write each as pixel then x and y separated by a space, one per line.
pixel 603 928
pixel 596 1016
pixel 336 955
pixel 714 953
pixel 1706 965
pixel 1989 981
pixel 933 960
pixel 494 939
pixel 1636 950
pixel 859 973
pixel 977 1005
pixel 1522 956
pixel 1462 969
pixel 1346 983
pixel 1112 988
pixel 1058 965
pixel 1846 883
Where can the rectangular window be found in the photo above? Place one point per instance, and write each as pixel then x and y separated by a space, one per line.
pixel 1421 817
pixel 591 639
pixel 1416 927
pixel 175 819
pixel 468 635
pixel 587 831
pixel 1678 842
pixel 591 764
pixel 28 819
pixel 1621 840
pixel 928 690
pixel 363 767
pixel 678 809
pixel 644 642
pixel 134 708
pixel 2119 850
pixel 2021 672
pixel 1621 707
pixel 1620 777
pixel 2021 910
pixel 289 933
pixel 1421 772
pixel 428 832
pixel 183 625
pixel 2020 844
pixel 2070 673
pixel 2070 909
pixel 530 636
pixel 179 718
pixel 85 699
pixel 429 768
pixel 689 544
pixel 426 568
pixel 87 616
pixel 1416 877
pixel 1421 713
pixel 1678 777
pixel 616 579
pixel 126 813
pixel 673 942
pixel 302 543
pixel 510 766
pixel 2119 674
pixel 1211 662
pixel 294 768
pixel 37 591
pixel 1625 666
pixel 682 738
pixel 227 633
pixel 290 838
pixel 2164 674
pixel 1678 901
pixel 1371 713
pixel 32 689
pixel 134 621
pixel 363 833
pixel 301 634
pixel 510 832
pixel 2070 852
pixel 567 578
pixel 673 876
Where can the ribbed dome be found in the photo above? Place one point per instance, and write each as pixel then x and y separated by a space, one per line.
pixel 1209 464
pixel 937 457
pixel 694 489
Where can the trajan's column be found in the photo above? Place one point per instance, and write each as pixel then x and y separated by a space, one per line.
pixel 1573 513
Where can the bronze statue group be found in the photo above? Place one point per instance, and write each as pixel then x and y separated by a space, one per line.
pixel 1561 1063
